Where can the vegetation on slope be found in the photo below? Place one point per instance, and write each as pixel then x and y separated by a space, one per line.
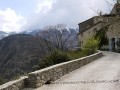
pixel 18 54
pixel 54 58
pixel 1 80
pixel 75 54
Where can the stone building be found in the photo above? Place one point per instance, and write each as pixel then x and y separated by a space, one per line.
pixel 89 27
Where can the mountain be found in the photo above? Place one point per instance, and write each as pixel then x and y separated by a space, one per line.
pixel 3 34
pixel 67 35
pixel 35 31
pixel 31 32
pixel 19 54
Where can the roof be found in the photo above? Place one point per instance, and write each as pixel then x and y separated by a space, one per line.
pixel 85 25
pixel 108 15
pixel 90 27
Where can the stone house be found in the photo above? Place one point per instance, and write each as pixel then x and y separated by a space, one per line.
pixel 89 27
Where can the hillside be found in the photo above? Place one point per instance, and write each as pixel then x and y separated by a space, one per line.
pixel 18 54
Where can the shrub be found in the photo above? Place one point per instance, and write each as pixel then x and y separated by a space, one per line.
pixel 102 36
pixel 91 46
pixel 54 58
pixel 75 54
pixel 2 81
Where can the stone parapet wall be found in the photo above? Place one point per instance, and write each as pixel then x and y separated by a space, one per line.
pixel 40 77
pixel 14 85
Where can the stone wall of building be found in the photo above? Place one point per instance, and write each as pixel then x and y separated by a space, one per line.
pixel 84 36
pixel 40 77
pixel 14 85
pixel 99 23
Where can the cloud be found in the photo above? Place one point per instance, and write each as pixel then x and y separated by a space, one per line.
pixel 44 6
pixel 69 12
pixel 10 21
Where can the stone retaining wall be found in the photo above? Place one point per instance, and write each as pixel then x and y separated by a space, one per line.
pixel 14 85
pixel 40 77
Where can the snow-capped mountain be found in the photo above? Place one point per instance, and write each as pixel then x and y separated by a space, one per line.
pixel 31 32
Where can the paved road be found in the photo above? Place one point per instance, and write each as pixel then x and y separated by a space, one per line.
pixel 106 68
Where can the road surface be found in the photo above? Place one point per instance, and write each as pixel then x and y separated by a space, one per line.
pixel 102 74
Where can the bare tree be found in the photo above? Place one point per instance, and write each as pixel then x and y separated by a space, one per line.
pixel 57 37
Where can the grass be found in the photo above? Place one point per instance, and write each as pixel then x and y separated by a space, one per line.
pixel 75 54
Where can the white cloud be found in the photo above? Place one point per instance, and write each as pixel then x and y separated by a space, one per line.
pixel 44 6
pixel 69 12
pixel 10 21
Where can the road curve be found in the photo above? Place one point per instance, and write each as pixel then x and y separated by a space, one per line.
pixel 98 75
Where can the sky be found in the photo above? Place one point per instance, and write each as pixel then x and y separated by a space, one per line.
pixel 21 15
